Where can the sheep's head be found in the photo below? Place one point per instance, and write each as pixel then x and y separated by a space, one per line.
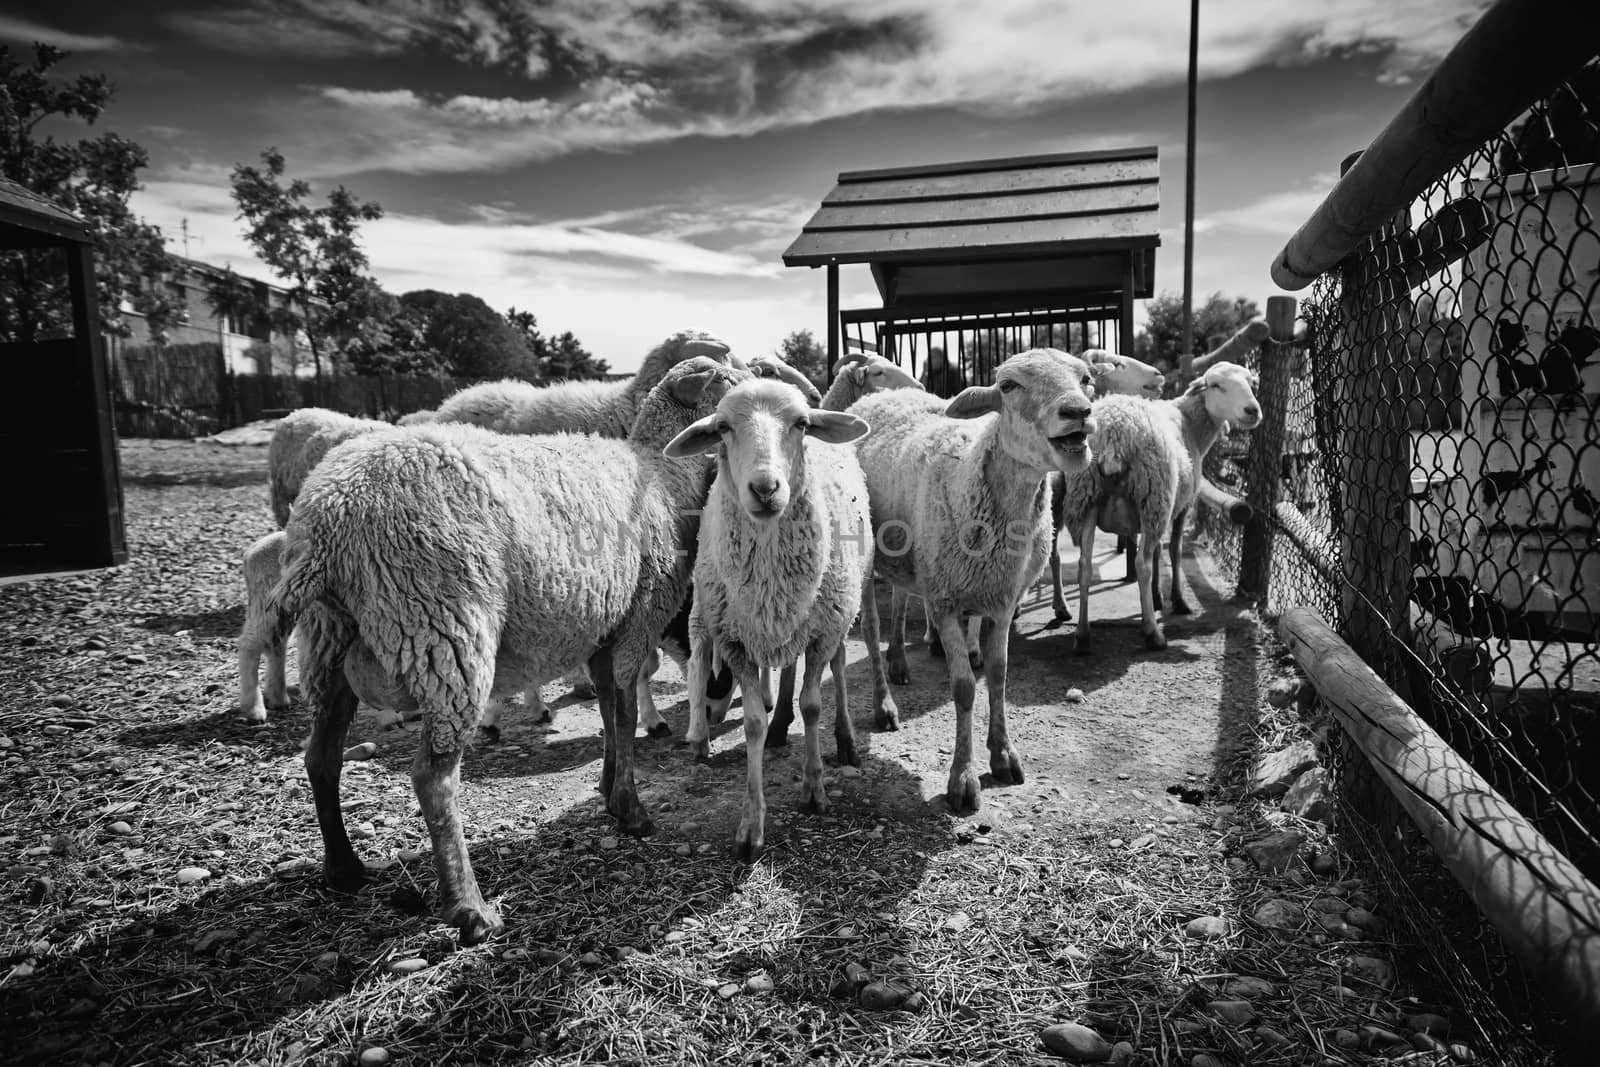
pixel 1042 396
pixel 685 344
pixel 874 374
pixel 776 369
pixel 689 391
pixel 1123 375
pixel 758 433
pixel 1230 395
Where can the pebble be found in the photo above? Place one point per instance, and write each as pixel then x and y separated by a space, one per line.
pixel 673 937
pixel 61 702
pixel 1462 1053
pixel 1237 1012
pixel 1275 852
pixel 914 1002
pixel 1378 1037
pixel 1122 1052
pixel 1074 695
pixel 1330 904
pixel 856 974
pixel 55 730
pixel 1346 1038
pixel 594 959
pixel 1429 1023
pixel 881 996
pixel 410 965
pixel 1280 915
pixel 1076 1042
pixel 1325 864
pixel 1205 1059
pixel 1268 1036
pixel 408 855
pixel 957 922
pixel 327 961
pixel 608 844
pixel 760 982
pixel 727 990
pixel 848 771
pixel 6 742
pixel 376 1056
pixel 120 828
pixel 364 751
pixel 684 849
pixel 1365 919
pixel 1248 986
pixel 1371 970
pixel 191 875
pixel 1207 927
pixel 688 827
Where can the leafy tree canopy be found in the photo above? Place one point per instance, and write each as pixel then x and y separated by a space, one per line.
pixel 563 357
pixel 469 338
pixel 1160 342
pixel 804 353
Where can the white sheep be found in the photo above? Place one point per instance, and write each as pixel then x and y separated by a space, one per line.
pixel 258 639
pixel 299 441
pixel 1144 478
pixel 435 566
pixel 785 545
pixel 1114 375
pixel 960 514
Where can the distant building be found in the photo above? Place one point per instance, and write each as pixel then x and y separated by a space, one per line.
pixel 248 347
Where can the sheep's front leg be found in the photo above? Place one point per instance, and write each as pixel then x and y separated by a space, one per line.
pixel 750 836
pixel 783 711
pixel 620 717
pixel 698 670
pixel 1058 600
pixel 655 724
pixel 436 777
pixel 1085 559
pixel 1003 759
pixel 813 797
pixel 844 730
pixel 974 643
pixel 341 868
pixel 1145 561
pixel 965 790
pixel 899 604
pixel 885 715
pixel 1180 606
pixel 930 635
pixel 256 643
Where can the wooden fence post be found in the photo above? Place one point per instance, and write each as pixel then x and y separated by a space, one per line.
pixel 1266 451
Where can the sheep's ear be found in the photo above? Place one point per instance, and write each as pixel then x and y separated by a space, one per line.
pixel 974 401
pixel 856 373
pixel 695 440
pixel 777 368
pixel 689 386
pixel 1196 386
pixel 836 427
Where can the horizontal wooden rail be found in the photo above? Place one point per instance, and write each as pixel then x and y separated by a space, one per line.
pixel 1547 912
pixel 1237 511
pixel 1313 544
pixel 1235 348
pixel 1511 58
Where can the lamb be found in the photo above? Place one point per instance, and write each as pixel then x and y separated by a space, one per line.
pixel 604 408
pixel 435 566
pixel 784 549
pixel 1145 476
pixel 299 442
pixel 262 568
pixel 944 493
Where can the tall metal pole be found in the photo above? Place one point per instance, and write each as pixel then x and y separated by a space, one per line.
pixel 1186 351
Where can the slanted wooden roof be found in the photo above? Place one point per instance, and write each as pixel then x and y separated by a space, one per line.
pixel 25 214
pixel 1068 220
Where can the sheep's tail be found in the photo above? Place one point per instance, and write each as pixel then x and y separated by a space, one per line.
pixel 303 581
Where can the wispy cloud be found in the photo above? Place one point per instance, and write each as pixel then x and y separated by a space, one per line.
pixel 1277 213
pixel 21 30
pixel 632 75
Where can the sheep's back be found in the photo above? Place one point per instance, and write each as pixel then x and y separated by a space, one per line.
pixel 1137 449
pixel 515 407
pixel 294 450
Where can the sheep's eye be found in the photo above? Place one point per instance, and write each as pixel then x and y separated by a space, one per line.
pixel 1007 385
pixel 724 428
pixel 802 424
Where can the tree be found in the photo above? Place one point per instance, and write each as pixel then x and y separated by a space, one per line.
pixel 91 178
pixel 560 357
pixel 470 338
pixel 1160 342
pixel 315 250
pixel 802 352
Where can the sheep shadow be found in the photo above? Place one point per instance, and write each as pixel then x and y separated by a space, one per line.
pixel 242 971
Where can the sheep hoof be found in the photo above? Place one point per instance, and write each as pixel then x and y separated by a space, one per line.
pixel 1063 614
pixel 899 672
pixel 964 792
pixel 846 749
pixel 546 718
pixel 777 738
pixel 1082 645
pixel 747 844
pixel 630 815
pixel 814 800
pixel 1155 640
pixel 700 751
pixel 476 924
pixel 344 876
pixel 255 714
pixel 717 711
pixel 1006 767
pixel 1181 607
pixel 887 716
pixel 660 729
pixel 280 704
pixel 491 733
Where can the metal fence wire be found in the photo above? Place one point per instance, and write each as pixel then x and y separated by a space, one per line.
pixel 1437 503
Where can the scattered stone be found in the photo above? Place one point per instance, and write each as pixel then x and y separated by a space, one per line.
pixel 364 751
pixel 1370 969
pixel 191 875
pixel 549 957
pixel 727 990
pixel 1284 691
pixel 1122 1052
pixel 55 730
pixel 1377 1037
pixel 1074 696
pixel 1325 864
pixel 1330 904
pixel 914 1002
pixel 1365 919
pixel 1274 771
pixel 1207 927
pixel 1076 1042
pixel 1463 1053
pixel 61 702
pixel 856 975
pixel 1429 1043
pixel 1248 987
pixel 957 922
pixel 1268 1036
pixel 1205 1059
pixel 881 996
pixel 608 844
pixel 1309 797
pixel 119 828
pixel 1275 852
pixel 1237 1012
pixel 1347 1039
pixel 1280 915
pixel 1337 927
pixel 760 982
pixel 376 1056
pixel 292 865
pixel 410 965
pixel 327 961
pixel 212 938
pixel 847 771
pixel 592 959
pixel 1429 1023
pixel 684 849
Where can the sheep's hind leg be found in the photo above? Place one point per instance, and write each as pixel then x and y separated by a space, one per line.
pixel 964 791
pixel 813 797
pixel 844 730
pixel 1003 760
pixel 436 777
pixel 1082 640
pixel 341 867
pixel 1180 606
pixel 885 715
pixel 1145 561
pixel 655 724
pixel 782 711
pixel 899 602
pixel 620 717
pixel 751 835
pixel 974 632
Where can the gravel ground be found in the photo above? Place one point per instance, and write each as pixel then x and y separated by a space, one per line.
pixel 162 904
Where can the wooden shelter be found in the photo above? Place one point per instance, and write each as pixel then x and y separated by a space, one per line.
pixel 55 415
pixel 975 260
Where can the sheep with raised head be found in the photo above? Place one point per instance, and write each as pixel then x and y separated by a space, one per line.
pixel 435 566
pixel 785 544
pixel 1144 478
pixel 960 514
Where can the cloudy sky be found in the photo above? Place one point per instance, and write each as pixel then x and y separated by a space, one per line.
pixel 625 168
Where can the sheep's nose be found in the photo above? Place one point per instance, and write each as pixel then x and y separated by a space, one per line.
pixel 1073 409
pixel 1252 412
pixel 764 486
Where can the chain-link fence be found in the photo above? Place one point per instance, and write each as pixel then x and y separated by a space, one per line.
pixel 1436 501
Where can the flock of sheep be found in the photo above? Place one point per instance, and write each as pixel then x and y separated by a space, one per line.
pixel 720 510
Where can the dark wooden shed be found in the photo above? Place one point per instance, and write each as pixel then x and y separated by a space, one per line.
pixel 989 256
pixel 56 428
